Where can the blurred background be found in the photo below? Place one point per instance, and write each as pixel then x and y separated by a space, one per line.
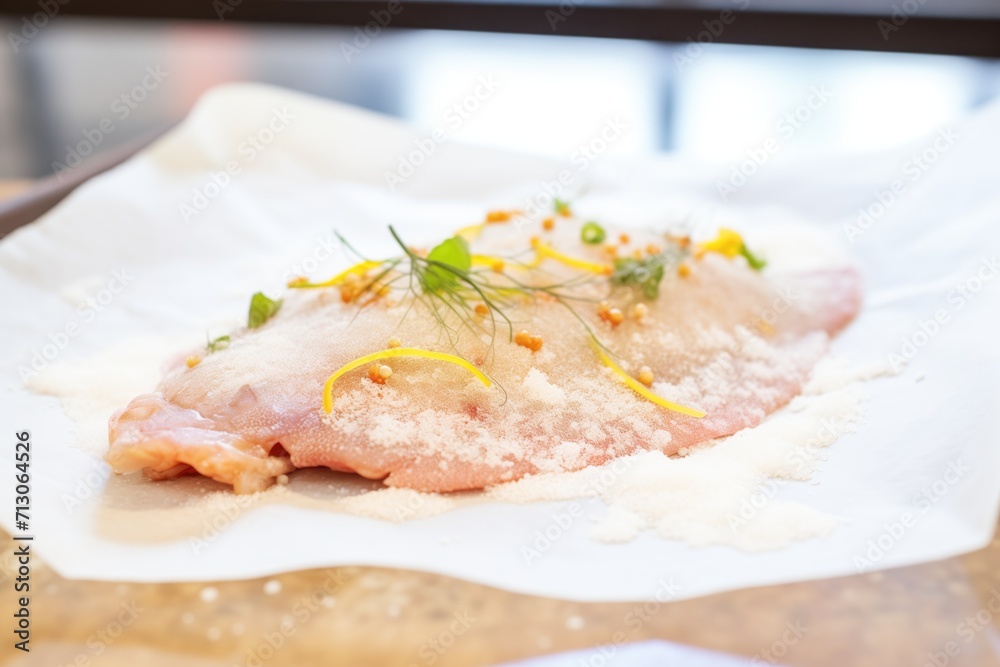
pixel 548 94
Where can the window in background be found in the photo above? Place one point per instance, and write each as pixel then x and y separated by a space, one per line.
pixel 551 95
pixel 732 98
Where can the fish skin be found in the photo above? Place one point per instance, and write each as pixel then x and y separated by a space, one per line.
pixel 166 441
pixel 432 427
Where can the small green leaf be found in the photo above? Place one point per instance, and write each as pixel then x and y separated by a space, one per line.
pixel 642 273
pixel 592 233
pixel 756 263
pixel 561 207
pixel 262 309
pixel 220 343
pixel 651 288
pixel 453 252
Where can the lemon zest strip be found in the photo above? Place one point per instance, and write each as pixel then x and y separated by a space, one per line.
pixel 544 250
pixel 396 352
pixel 470 232
pixel 360 267
pixel 639 388
pixel 486 260
pixel 727 242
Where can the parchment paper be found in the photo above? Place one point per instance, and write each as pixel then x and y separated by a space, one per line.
pixel 322 166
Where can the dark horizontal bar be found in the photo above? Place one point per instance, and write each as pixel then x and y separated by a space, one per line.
pixel 44 194
pixel 979 37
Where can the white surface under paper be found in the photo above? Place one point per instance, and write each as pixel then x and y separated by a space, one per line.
pixel 325 169
pixel 638 654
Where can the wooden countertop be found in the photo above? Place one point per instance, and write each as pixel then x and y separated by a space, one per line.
pixel 909 616
pixel 372 616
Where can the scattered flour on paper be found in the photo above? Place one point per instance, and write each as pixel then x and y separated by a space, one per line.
pixel 718 493
pixel 722 492
pixel 91 389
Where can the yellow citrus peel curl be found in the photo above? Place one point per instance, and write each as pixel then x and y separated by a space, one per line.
pixel 470 232
pixel 359 268
pixel 727 242
pixel 543 250
pixel 640 389
pixel 397 352
pixel 487 260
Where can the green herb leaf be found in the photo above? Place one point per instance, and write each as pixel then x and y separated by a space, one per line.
pixel 220 343
pixel 262 309
pixel 646 273
pixel 453 252
pixel 756 263
pixel 592 233
pixel 561 207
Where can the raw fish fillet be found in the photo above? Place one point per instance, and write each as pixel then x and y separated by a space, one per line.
pixel 732 342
